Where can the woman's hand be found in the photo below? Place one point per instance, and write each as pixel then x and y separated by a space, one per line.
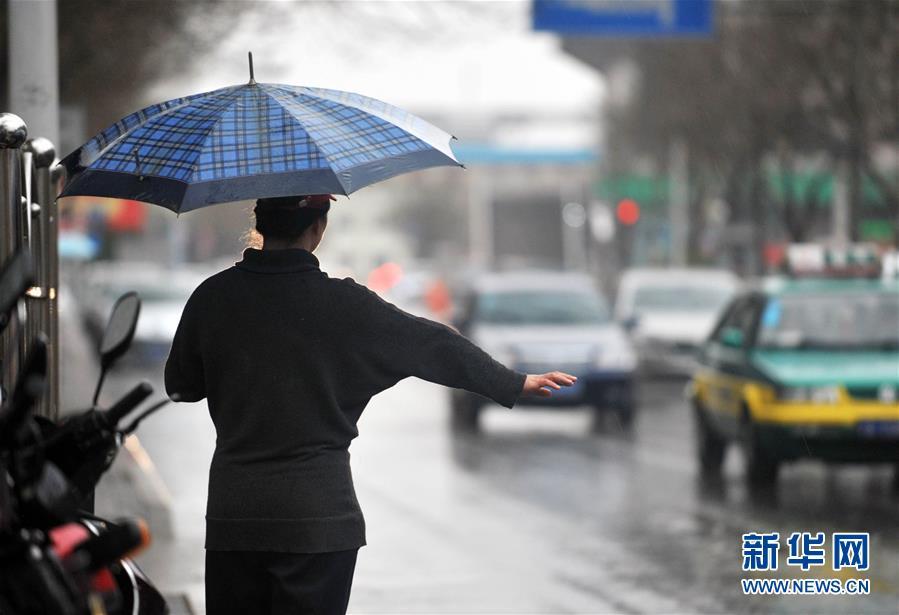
pixel 541 385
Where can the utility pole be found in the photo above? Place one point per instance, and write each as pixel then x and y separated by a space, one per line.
pixel 34 66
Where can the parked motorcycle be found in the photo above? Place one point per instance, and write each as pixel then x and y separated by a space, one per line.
pixel 56 557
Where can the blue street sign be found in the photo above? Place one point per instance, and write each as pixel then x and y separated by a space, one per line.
pixel 646 18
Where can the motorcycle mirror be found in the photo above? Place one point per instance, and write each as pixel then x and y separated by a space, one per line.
pixel 118 334
pixel 16 277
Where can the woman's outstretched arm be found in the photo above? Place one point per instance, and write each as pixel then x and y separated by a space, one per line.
pixel 403 345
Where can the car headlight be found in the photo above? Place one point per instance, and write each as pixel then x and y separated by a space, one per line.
pixel 615 359
pixel 815 395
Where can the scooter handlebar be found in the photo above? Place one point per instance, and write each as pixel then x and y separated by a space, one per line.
pixel 112 544
pixel 126 404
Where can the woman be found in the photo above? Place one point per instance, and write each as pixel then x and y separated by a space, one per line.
pixel 288 358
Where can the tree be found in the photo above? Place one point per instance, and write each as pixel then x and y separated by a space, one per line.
pixel 111 51
pixel 782 84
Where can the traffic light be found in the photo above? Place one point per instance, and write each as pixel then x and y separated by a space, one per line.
pixel 627 212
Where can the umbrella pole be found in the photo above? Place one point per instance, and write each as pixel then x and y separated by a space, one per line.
pixel 252 76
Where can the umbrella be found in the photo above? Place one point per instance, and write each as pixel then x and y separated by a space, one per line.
pixel 250 141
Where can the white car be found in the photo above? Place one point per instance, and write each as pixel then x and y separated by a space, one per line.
pixel 163 293
pixel 670 312
pixel 536 322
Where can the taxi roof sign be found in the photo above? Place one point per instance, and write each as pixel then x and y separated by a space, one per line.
pixel 815 260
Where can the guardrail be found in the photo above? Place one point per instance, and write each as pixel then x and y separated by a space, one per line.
pixel 29 220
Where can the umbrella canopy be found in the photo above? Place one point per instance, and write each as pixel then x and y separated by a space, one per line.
pixel 252 141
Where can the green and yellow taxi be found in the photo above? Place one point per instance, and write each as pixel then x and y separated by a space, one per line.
pixel 800 368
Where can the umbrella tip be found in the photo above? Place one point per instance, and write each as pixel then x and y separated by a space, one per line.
pixel 252 76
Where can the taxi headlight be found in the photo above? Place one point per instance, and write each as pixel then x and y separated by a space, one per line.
pixel 815 395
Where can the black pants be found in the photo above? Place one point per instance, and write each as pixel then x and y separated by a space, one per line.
pixel 266 583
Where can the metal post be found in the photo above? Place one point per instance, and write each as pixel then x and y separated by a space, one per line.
pixel 480 219
pixel 41 302
pixel 678 202
pixel 29 328
pixel 12 135
pixel 177 234
pixel 53 295
pixel 840 220
pixel 32 325
pixel 574 219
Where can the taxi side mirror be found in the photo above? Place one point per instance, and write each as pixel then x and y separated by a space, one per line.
pixel 732 337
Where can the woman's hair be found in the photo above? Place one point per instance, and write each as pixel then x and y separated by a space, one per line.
pixel 285 217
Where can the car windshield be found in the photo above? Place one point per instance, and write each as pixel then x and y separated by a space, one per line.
pixel 833 321
pixel 541 308
pixel 681 298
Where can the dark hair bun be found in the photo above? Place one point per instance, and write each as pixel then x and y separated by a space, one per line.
pixel 285 217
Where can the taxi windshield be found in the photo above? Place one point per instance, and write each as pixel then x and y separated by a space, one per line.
pixel 680 298
pixel 832 321
pixel 541 308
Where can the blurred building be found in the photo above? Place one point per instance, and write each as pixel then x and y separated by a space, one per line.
pixel 363 234
pixel 740 127
pixel 521 170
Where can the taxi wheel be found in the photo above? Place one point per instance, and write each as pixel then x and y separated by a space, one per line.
pixel 761 467
pixel 710 447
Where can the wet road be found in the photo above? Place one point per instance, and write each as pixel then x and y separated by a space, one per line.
pixel 536 515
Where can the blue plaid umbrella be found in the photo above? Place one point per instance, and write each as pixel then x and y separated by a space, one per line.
pixel 251 141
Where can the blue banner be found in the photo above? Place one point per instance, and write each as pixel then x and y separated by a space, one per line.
pixel 622 18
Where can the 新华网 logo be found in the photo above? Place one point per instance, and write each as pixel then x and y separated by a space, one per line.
pixel 807 550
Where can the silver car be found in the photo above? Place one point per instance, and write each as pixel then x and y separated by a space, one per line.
pixel 539 321
pixel 669 312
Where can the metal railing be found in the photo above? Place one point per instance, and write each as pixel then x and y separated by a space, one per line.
pixel 29 221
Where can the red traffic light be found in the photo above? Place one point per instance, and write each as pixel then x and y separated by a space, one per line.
pixel 627 212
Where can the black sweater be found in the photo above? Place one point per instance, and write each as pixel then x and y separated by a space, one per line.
pixel 288 359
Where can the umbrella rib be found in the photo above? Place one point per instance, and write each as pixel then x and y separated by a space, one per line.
pixel 127 133
pixel 237 90
pixel 418 134
pixel 264 89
